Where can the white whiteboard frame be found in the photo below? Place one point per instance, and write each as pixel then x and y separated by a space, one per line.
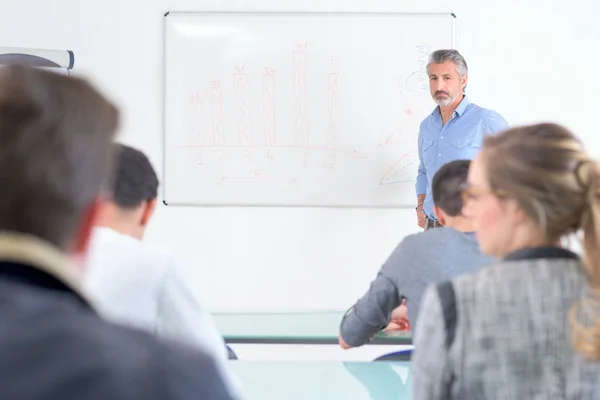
pixel 271 14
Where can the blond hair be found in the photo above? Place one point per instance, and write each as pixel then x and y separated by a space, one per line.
pixel 547 171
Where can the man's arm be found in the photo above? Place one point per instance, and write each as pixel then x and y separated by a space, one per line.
pixel 373 311
pixel 421 185
pixel 182 317
pixel 431 372
pixel 494 123
pixel 370 314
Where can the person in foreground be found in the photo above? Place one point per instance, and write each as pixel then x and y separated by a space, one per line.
pixel 528 326
pixel 453 131
pixel 133 282
pixel 413 265
pixel 56 136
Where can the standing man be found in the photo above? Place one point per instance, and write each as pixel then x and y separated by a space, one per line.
pixel 454 130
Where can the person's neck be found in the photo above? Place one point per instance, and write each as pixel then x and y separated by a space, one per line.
pixel 120 222
pixel 116 226
pixel 447 111
pixel 461 224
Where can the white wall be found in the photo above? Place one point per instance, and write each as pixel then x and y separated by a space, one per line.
pixel 527 60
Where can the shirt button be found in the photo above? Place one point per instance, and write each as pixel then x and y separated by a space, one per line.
pixel 440 154
pixel 442 137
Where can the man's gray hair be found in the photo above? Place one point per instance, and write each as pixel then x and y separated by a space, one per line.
pixel 441 56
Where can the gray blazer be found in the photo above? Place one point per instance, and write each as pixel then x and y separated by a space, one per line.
pixel 512 336
pixel 54 346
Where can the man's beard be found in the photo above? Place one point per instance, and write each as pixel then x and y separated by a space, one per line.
pixel 443 101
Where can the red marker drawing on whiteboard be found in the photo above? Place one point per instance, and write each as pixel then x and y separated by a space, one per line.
pixel 269 106
pixel 217 111
pixel 300 97
pixel 240 84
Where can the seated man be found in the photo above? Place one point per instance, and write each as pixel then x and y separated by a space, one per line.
pixel 435 255
pixel 134 282
pixel 56 138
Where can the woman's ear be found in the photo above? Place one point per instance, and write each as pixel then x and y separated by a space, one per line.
pixel 512 211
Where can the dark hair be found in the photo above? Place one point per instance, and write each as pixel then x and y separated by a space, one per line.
pixel 447 186
pixel 56 135
pixel 135 180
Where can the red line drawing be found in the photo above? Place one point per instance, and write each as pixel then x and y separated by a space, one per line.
pixel 353 153
pixel 240 85
pixel 248 156
pixel 269 155
pixel 397 134
pixel 331 138
pixel 219 155
pixel 269 106
pixel 393 138
pixel 300 98
pixel 391 175
pixel 195 106
pixel 217 110
pixel 328 163
pixel 257 175
pixel 294 182
pixel 304 159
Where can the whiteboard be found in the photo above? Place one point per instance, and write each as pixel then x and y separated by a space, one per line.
pixel 296 109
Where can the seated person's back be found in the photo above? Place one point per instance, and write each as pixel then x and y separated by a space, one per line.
pixel 135 282
pixel 56 136
pixel 432 256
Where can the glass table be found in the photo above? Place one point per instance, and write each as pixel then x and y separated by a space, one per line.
pixel 323 380
pixel 317 327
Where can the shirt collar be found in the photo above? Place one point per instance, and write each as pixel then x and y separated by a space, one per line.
pixel 462 106
pixel 460 110
pixel 531 253
pixel 41 255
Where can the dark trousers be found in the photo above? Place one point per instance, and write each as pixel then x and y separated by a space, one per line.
pixel 431 223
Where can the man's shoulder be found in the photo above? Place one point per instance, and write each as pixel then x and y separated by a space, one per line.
pixel 116 246
pixel 485 113
pixel 436 235
pixel 427 120
pixel 74 345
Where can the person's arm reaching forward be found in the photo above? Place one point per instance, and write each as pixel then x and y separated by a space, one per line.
pixel 373 311
pixel 181 316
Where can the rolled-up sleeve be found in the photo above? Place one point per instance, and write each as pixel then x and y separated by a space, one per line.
pixel 421 184
pixel 371 313
pixel 430 366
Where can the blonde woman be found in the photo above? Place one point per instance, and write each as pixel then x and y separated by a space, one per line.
pixel 526 327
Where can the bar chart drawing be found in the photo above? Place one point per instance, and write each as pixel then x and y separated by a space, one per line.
pixel 244 125
pixel 297 109
pixel 217 110
pixel 332 106
pixel 300 98
pixel 195 108
pixel 269 106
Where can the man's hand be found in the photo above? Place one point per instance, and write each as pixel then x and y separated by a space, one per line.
pixel 399 319
pixel 400 313
pixel 421 217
